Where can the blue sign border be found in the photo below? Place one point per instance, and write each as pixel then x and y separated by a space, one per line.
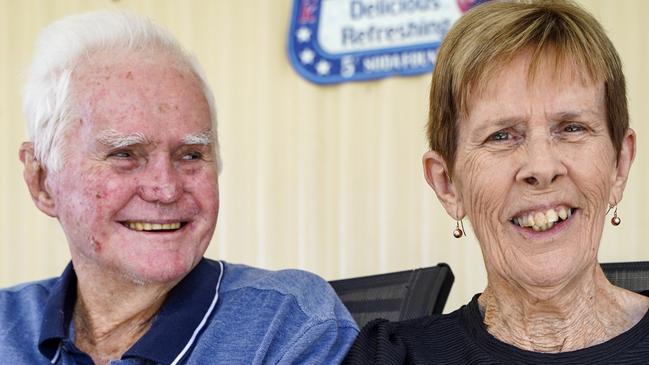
pixel 321 67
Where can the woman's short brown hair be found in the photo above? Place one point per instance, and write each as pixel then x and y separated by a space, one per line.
pixel 490 35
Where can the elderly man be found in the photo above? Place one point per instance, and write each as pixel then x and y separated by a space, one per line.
pixel 123 152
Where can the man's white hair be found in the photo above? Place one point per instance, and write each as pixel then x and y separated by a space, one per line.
pixel 63 46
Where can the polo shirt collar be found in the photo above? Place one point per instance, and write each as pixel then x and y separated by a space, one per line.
pixel 174 330
pixel 58 313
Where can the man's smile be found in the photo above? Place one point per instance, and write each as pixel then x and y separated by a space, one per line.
pixel 147 226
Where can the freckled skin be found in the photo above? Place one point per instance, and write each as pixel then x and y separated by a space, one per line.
pixel 580 169
pixel 96 190
pixel 527 146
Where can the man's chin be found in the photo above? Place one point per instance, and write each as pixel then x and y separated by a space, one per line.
pixel 159 273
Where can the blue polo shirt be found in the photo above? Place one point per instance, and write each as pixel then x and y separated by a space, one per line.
pixel 219 313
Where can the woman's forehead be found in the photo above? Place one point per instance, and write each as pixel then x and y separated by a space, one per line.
pixel 546 69
pixel 546 72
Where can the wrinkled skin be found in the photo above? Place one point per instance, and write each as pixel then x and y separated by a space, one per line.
pixel 156 110
pixel 529 145
pixel 163 180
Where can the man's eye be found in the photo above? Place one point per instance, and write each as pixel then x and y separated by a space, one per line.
pixel 192 156
pixel 121 154
pixel 499 136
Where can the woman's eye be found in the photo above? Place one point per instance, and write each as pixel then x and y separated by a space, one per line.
pixel 499 136
pixel 572 128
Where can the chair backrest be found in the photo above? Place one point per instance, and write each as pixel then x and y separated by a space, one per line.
pixel 396 296
pixel 633 276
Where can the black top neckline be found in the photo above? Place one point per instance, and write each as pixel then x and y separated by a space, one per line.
pixel 472 322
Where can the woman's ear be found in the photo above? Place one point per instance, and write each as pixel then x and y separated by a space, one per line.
pixel 437 176
pixel 35 174
pixel 624 161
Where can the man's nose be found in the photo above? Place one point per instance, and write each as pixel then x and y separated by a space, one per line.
pixel 160 182
pixel 542 164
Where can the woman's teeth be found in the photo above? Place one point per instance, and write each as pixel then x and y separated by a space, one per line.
pixel 542 221
pixel 140 226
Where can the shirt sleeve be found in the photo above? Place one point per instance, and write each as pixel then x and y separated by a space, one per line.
pixel 377 344
pixel 322 343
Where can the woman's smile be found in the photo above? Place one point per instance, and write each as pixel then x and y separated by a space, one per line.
pixel 541 220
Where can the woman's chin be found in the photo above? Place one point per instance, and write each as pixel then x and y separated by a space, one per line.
pixel 551 280
pixel 548 274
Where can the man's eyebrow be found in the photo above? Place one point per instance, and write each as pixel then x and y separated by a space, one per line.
pixel 205 137
pixel 114 139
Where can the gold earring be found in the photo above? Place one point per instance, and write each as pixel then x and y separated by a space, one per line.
pixel 615 220
pixel 459 232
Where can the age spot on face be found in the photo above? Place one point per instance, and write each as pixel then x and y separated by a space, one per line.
pixel 163 108
pixel 96 245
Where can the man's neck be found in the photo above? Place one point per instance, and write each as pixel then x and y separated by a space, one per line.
pixel 111 312
pixel 580 314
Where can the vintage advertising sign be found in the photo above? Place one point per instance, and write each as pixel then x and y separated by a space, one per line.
pixel 333 41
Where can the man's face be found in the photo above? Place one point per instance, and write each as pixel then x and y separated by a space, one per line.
pixel 138 195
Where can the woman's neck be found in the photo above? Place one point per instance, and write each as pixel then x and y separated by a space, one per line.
pixel 573 316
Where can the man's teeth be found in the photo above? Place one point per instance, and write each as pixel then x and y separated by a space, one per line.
pixel 541 221
pixel 139 226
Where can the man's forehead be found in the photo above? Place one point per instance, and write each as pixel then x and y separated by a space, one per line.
pixel 128 103
pixel 101 73
pixel 101 62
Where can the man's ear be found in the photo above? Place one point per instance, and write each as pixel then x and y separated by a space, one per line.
pixel 624 161
pixel 437 176
pixel 34 174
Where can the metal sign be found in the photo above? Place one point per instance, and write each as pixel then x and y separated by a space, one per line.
pixel 333 41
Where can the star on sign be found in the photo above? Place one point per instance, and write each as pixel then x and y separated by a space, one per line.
pixel 307 56
pixel 323 67
pixel 303 34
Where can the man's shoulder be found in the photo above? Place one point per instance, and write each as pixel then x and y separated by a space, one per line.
pixel 285 316
pixel 25 302
pixel 311 293
pixel 21 318
pixel 287 281
pixel 30 291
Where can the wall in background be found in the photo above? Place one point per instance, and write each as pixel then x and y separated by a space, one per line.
pixel 326 179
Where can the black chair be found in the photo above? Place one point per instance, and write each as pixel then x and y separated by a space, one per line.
pixel 633 276
pixel 396 296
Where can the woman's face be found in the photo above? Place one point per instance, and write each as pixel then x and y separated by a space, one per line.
pixel 535 171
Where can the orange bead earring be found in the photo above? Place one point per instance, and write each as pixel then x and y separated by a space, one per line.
pixel 459 229
pixel 615 220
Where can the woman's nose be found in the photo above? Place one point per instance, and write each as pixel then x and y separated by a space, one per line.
pixel 161 182
pixel 542 164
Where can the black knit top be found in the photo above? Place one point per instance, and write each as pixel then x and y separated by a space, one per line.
pixel 460 337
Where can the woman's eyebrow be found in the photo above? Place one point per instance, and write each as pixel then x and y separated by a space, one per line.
pixel 573 114
pixel 505 121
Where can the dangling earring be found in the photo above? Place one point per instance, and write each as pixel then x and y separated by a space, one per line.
pixel 615 220
pixel 459 232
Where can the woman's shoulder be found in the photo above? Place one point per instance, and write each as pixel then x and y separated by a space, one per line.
pixel 385 342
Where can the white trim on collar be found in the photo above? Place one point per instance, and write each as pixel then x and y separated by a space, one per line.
pixel 203 321
pixel 57 354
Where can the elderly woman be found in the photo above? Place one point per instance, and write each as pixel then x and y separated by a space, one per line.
pixel 529 138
